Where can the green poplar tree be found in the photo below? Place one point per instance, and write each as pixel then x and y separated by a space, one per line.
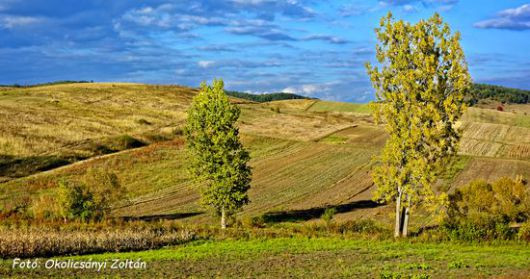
pixel 420 86
pixel 216 155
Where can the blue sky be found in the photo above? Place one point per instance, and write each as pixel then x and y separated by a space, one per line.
pixel 313 48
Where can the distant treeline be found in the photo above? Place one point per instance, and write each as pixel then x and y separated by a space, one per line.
pixel 261 98
pixel 46 83
pixel 497 93
pixel 479 91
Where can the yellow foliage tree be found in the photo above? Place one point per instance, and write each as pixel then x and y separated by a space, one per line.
pixel 420 84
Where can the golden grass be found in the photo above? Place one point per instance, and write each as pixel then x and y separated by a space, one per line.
pixel 53 119
pixel 292 105
pixel 322 106
pixel 513 118
pixel 39 241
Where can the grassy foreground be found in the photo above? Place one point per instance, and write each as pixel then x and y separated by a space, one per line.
pixel 301 257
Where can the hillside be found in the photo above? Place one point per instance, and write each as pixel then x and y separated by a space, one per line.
pixel 307 154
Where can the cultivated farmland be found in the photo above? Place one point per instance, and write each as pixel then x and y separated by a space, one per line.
pixel 307 155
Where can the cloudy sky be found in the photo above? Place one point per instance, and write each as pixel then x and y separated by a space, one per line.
pixel 314 48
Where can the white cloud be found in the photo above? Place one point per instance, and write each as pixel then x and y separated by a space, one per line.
pixel 250 2
pixel 327 38
pixel 205 63
pixel 10 22
pixel 502 23
pixel 409 8
pixel 512 19
pixel 519 12
pixel 291 90
pixel 306 89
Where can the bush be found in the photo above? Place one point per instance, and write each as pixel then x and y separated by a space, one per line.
pixel 254 222
pixel 17 207
pixel 524 232
pixel 90 198
pixel 504 200
pixel 482 210
pixel 470 231
pixel 77 201
pixel 328 214
pixel 42 207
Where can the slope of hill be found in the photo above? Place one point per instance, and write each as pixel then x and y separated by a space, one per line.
pixel 308 155
pixel 47 126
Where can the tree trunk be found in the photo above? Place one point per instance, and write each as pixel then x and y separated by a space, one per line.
pixel 223 218
pixel 397 228
pixel 406 219
pixel 402 219
pixel 406 222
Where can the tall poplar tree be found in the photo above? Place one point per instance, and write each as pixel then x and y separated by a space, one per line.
pixel 215 154
pixel 420 84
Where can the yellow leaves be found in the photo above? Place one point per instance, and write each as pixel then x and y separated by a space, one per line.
pixel 420 88
pixel 505 199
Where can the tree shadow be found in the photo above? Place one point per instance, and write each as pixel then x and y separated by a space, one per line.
pixel 15 167
pixel 172 216
pixel 423 230
pixel 316 212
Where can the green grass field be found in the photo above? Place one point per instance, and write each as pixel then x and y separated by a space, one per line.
pixel 327 106
pixel 299 257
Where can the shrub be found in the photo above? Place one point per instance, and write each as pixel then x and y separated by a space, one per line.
pixel 254 222
pixel 481 202
pixel 328 214
pixel 17 207
pixel 77 201
pixel 47 207
pixel 500 108
pixel 524 231
pixel 482 210
pixel 88 199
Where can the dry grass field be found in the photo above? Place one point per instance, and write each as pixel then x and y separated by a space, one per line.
pixel 307 155
pixel 61 118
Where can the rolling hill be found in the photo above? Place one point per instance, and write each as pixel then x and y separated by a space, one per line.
pixel 307 155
